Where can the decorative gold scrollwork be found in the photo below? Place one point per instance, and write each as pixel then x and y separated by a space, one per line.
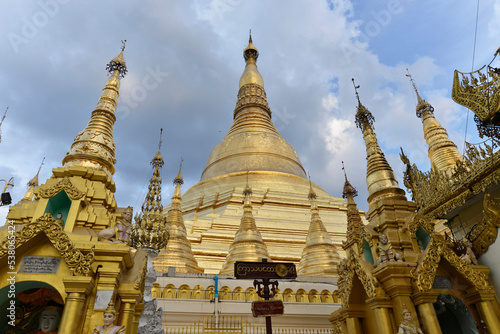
pixel 66 185
pixel 425 272
pixel 79 264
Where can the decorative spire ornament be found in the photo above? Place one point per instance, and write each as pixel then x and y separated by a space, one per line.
pixel 150 230
pixel 380 179
pixel 354 222
pixel 247 244
pixel 94 146
pixel 32 184
pixel 443 153
pixel 319 257
pixel 178 252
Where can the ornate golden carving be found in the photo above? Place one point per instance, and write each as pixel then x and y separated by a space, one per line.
pixel 349 267
pixel 479 92
pixel 437 193
pixel 337 327
pixel 79 264
pixel 425 272
pixel 417 220
pixel 66 185
pixel 485 233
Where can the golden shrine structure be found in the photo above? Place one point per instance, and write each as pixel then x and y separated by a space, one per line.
pixel 67 248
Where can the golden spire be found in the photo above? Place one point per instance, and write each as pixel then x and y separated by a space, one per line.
pixel 251 74
pixel 150 228
pixel 354 222
pixel 380 178
pixel 178 252
pixel 252 141
pixel 1 121
pixel 319 257
pixel 94 146
pixel 247 244
pixel 443 153
pixel 32 184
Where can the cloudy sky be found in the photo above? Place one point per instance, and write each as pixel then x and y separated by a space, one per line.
pixel 185 60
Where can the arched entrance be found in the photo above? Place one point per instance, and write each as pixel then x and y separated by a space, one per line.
pixel 454 316
pixel 31 297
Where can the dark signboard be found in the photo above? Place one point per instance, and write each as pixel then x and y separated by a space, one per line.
pixel 267 308
pixel 260 270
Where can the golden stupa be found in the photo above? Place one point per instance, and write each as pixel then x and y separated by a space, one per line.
pixel 254 150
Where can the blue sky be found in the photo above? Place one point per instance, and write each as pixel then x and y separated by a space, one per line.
pixel 52 75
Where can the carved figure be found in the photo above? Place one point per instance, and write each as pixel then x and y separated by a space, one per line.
pixel 59 219
pixel 121 232
pixel 408 326
pixel 469 255
pixel 386 251
pixel 48 321
pixel 109 322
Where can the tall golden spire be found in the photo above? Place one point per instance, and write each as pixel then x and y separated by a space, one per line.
pixel 94 146
pixel 1 122
pixel 150 230
pixel 443 153
pixel 247 244
pixel 380 178
pixel 319 257
pixel 252 142
pixel 178 252
pixel 32 184
pixel 354 222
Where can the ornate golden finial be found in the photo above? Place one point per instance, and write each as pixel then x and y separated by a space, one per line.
pixel 364 117
pixel 1 121
pixel 422 105
pixel 312 194
pixel 118 63
pixel 178 252
pixel 32 184
pixel 247 244
pixel 149 230
pixel 348 188
pixel 178 178
pixel 319 257
pixel 158 159
pixel 247 190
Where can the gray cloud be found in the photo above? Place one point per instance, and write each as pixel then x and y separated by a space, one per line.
pixel 52 78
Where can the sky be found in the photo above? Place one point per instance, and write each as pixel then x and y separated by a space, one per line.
pixel 185 59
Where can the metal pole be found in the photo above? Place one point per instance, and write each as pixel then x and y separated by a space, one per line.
pixel 216 301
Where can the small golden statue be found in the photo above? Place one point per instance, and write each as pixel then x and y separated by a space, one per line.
pixel 109 322
pixel 121 232
pixel 469 255
pixel 386 251
pixel 407 326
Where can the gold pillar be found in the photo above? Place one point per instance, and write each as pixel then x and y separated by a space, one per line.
pixel 127 310
pixel 353 326
pixel 424 302
pixel 429 318
pixel 380 307
pixel 77 288
pixel 489 316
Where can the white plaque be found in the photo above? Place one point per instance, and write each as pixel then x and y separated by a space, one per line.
pixel 39 265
